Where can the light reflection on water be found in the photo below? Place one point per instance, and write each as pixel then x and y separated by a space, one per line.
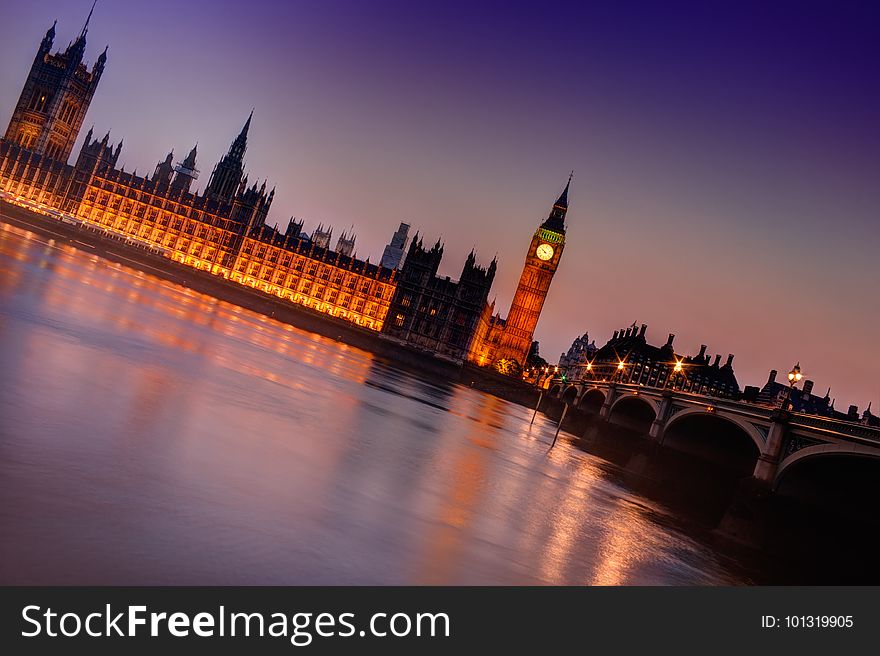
pixel 153 435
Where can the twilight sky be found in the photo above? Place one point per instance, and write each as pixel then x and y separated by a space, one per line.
pixel 726 155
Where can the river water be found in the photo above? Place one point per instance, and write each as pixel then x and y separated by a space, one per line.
pixel 153 435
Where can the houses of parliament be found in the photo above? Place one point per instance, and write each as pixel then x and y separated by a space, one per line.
pixel 223 229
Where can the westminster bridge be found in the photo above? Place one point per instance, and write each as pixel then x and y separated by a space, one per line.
pixel 775 440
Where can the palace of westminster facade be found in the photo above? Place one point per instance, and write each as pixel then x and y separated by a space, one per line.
pixel 223 229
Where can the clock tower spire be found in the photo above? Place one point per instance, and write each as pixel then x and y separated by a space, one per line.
pixel 542 260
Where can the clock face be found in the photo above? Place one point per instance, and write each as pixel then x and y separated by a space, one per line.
pixel 544 251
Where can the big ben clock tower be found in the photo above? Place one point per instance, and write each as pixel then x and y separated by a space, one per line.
pixel 542 261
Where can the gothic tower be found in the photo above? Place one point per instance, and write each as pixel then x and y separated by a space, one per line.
pixel 185 172
pixel 227 175
pixel 164 171
pixel 55 98
pixel 542 260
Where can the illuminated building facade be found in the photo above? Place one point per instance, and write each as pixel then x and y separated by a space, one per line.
pixel 438 314
pixel 505 343
pixel 327 281
pixel 222 231
pixel 230 238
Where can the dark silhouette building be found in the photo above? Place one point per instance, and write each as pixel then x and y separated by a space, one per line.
pixel 628 358
pixel 228 176
pixel 433 313
pixel 802 399
pixel 55 98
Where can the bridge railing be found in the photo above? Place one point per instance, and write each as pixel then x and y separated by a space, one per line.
pixel 829 424
pixel 836 426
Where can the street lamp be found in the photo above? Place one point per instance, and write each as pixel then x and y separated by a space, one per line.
pixel 676 370
pixel 794 377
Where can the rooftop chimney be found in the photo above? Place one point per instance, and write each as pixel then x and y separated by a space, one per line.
pixel 702 355
pixel 853 411
pixel 643 329
pixel 808 387
pixel 729 361
pixel 669 339
pixel 615 335
pixel 772 377
pixel 717 360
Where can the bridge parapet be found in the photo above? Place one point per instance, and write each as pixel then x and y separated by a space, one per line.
pixel 782 437
pixel 837 426
pixel 758 411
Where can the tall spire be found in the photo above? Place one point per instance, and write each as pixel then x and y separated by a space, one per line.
pixel 556 220
pixel 186 172
pixel 562 201
pixel 88 18
pixel 190 161
pixel 247 124
pixel 227 175
pixel 49 39
pixel 239 146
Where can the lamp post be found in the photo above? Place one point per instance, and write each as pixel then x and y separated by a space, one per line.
pixel 676 370
pixel 794 377
pixel 539 384
pixel 620 368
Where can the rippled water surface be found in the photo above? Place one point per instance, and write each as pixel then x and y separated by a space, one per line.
pixel 153 435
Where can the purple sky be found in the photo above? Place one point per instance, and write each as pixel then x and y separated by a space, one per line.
pixel 726 156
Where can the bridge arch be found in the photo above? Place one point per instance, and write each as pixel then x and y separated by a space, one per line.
pixel 623 398
pixel 725 441
pixel 633 411
pixel 570 394
pixel 591 400
pixel 824 451
pixel 555 389
pixel 747 428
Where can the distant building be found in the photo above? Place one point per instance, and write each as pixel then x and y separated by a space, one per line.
pixel 628 358
pixel 433 313
pixel 321 236
pixel 573 362
pixel 393 253
pixel 345 244
pixel 295 229
pixel 803 400
pixel 869 418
